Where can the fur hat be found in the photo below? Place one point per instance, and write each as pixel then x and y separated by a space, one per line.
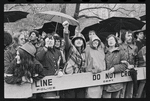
pixel 28 47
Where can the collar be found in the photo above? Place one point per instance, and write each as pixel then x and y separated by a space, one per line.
pixel 131 46
pixel 114 50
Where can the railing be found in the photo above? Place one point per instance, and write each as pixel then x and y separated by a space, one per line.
pixel 54 83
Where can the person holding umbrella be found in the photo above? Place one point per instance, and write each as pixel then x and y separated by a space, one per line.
pixel 95 63
pixel 114 64
pixel 75 59
pixel 131 52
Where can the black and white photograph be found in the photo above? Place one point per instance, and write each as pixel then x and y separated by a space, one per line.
pixel 74 50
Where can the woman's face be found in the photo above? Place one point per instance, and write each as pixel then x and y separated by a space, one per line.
pixel 91 33
pixel 111 41
pixel 18 57
pixel 57 43
pixel 21 39
pixel 78 42
pixel 95 43
pixel 43 34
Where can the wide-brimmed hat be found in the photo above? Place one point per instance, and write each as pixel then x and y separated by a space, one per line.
pixel 141 30
pixel 28 47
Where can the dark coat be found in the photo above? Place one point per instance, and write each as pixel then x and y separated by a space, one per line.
pixel 38 69
pixel 113 59
pixel 131 53
pixel 49 60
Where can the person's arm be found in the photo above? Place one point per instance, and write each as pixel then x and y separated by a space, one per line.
pixel 10 78
pixel 41 53
pixel 66 34
pixel 7 60
pixel 122 66
pixel 39 72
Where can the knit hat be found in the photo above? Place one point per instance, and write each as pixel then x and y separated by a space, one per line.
pixel 28 47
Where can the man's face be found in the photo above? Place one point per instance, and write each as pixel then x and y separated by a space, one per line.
pixel 91 33
pixel 128 37
pixel 33 36
pixel 57 43
pixel 50 41
pixel 140 35
pixel 78 42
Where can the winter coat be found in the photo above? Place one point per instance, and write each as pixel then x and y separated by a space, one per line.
pixel 141 53
pixel 95 58
pixel 37 74
pixel 131 53
pixel 113 59
pixel 74 59
pixel 9 56
pixel 49 60
pixel 94 61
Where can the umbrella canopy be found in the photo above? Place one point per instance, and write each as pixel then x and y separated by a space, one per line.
pixel 118 23
pixel 56 17
pixel 102 32
pixel 12 16
pixel 51 26
pixel 143 18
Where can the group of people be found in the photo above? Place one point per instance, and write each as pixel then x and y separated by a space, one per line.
pixel 29 57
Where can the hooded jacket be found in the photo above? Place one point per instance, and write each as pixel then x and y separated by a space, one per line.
pixel 74 59
pixel 95 58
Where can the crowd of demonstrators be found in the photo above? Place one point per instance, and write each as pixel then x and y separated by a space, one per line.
pixel 29 56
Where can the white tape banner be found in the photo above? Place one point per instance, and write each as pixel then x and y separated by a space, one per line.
pixel 54 83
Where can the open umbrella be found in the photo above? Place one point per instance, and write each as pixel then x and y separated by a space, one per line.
pixel 102 32
pixel 118 23
pixel 143 18
pixel 12 16
pixel 51 26
pixel 56 17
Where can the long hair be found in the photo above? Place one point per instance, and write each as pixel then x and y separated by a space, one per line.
pixel 124 34
pixel 26 67
pixel 116 45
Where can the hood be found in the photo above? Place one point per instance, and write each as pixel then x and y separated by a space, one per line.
pixel 79 35
pixel 95 37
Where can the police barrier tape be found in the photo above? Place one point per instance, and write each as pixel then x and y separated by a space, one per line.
pixel 54 83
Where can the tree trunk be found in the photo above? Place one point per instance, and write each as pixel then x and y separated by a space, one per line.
pixel 63 8
pixel 76 14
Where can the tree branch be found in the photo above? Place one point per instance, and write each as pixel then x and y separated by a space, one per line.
pixel 112 10
pixel 16 6
pixel 85 16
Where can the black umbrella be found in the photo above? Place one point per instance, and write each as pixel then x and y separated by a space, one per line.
pixel 118 23
pixel 12 16
pixel 51 27
pixel 143 18
pixel 101 32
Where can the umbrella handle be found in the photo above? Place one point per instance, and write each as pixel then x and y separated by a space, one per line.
pixel 56 27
